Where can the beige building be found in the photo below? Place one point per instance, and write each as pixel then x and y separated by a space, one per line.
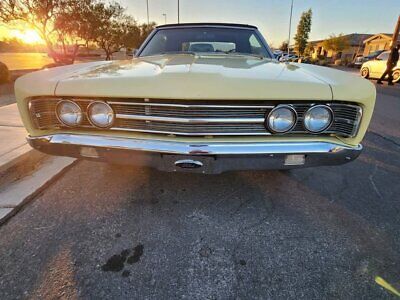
pixel 356 47
pixel 380 41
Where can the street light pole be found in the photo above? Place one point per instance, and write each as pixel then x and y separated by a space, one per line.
pixel 148 14
pixel 178 12
pixel 165 18
pixel 396 34
pixel 290 27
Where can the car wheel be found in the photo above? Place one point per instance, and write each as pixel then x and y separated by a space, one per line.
pixel 396 76
pixel 365 73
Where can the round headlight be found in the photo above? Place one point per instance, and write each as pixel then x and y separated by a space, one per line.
pixel 100 114
pixel 69 113
pixel 281 119
pixel 318 118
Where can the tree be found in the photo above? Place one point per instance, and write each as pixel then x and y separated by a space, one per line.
pixel 145 30
pixel 303 32
pixel 72 24
pixel 75 23
pixel 308 51
pixel 284 46
pixel 107 25
pixel 40 15
pixel 336 43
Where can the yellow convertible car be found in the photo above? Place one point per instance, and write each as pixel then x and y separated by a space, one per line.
pixel 203 98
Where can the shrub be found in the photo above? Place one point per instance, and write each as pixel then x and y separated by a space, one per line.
pixel 323 63
pixel 4 73
pixel 347 61
pixel 338 62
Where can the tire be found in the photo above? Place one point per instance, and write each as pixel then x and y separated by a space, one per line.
pixel 365 72
pixel 396 76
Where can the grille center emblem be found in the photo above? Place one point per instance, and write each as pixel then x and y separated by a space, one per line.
pixel 189 164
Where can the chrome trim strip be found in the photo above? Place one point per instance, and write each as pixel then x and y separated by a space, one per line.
pixel 266 133
pixel 187 148
pixel 188 105
pixel 356 125
pixel 192 120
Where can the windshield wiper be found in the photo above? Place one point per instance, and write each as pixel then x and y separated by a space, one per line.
pixel 178 52
pixel 244 54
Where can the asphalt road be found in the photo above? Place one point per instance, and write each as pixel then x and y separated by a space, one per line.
pixel 105 231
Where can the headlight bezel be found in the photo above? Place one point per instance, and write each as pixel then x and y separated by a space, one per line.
pixel 282 106
pixel 89 115
pixel 331 113
pixel 57 113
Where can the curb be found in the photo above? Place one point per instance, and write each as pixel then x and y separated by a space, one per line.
pixel 17 194
pixel 19 163
pixel 24 171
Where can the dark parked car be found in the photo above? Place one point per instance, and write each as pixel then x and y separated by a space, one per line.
pixel 362 59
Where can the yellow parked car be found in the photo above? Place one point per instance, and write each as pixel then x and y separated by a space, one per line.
pixel 202 98
pixel 376 67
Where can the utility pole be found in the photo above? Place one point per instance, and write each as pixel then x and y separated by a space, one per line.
pixel 178 12
pixel 148 14
pixel 396 34
pixel 395 37
pixel 290 27
pixel 165 18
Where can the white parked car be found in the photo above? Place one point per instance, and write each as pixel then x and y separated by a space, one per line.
pixel 375 68
pixel 290 57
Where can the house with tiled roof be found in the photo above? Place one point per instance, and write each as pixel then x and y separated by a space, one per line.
pixel 380 41
pixel 356 47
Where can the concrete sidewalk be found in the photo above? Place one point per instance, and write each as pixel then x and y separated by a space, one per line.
pixel 23 170
pixel 12 136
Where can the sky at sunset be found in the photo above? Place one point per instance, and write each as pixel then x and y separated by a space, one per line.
pixel 271 16
pixel 26 34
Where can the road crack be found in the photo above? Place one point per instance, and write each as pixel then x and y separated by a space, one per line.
pixel 371 179
pixel 385 138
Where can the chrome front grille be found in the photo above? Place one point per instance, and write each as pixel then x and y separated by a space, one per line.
pixel 197 118
pixel 191 129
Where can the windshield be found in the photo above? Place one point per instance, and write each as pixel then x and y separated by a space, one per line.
pixel 375 54
pixel 206 40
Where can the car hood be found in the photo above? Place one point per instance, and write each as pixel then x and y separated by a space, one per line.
pixel 186 76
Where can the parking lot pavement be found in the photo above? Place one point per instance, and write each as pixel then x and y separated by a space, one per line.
pixel 106 231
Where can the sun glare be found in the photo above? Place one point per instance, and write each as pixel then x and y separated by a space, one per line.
pixel 28 36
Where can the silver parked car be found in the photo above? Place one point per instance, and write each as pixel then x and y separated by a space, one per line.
pixel 375 68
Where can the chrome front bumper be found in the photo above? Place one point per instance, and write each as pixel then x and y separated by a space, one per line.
pixel 213 157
